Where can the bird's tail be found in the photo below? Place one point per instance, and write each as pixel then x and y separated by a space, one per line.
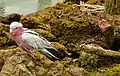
pixel 53 54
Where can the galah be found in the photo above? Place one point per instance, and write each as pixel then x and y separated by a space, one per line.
pixel 30 41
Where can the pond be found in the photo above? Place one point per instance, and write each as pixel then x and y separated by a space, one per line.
pixel 24 6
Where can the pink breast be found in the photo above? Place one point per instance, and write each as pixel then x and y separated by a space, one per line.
pixel 16 36
pixel 25 46
pixel 22 44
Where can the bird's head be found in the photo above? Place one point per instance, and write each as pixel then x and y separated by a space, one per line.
pixel 15 26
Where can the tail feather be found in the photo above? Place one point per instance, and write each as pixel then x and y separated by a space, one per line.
pixel 53 53
pixel 49 54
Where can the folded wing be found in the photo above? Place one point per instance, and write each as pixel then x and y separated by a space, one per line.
pixel 38 42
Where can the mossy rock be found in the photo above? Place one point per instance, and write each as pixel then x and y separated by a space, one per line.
pixel 10 18
pixel 113 71
pixel 75 1
pixel 70 25
pixel 89 62
pixel 60 47
pixel 1 63
pixel 48 35
pixel 96 2
pixel 36 20
pixel 5 35
pixel 67 23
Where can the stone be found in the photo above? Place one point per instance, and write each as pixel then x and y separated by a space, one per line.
pixel 10 18
pixel 77 71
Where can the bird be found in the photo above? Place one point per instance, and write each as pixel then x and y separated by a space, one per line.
pixel 30 41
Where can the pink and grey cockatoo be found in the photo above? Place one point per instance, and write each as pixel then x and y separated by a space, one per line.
pixel 30 41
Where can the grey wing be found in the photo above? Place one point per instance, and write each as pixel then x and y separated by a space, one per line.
pixel 35 41
pixel 30 31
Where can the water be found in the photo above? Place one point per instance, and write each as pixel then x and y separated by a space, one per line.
pixel 24 6
pixel 2 7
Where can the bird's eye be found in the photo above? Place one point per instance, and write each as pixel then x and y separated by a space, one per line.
pixel 16 27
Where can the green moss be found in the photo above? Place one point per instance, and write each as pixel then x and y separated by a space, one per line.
pixel 4 36
pixel 65 73
pixel 113 71
pixel 93 74
pixel 67 67
pixel 90 61
pixel 37 20
pixel 48 35
pixel 3 40
pixel 73 1
pixel 62 41
pixel 92 1
pixel 60 47
pixel 45 34
pixel 70 46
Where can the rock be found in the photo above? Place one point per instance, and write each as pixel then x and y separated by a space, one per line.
pixel 56 69
pixel 96 2
pixel 1 63
pixel 40 71
pixel 4 53
pixel 21 65
pixel 75 1
pixel 97 50
pixel 5 36
pixel 71 26
pixel 60 47
pixel 68 60
pixel 10 18
pixel 46 34
pixel 76 71
pixel 43 59
pixel 38 21
pixel 67 27
pixel 93 56
pixel 89 61
pixel 113 71
pixel 116 36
